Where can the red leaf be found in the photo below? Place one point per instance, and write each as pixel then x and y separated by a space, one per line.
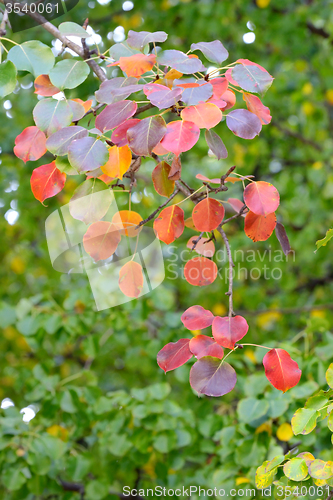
pixel 227 331
pixel 208 214
pixel 203 247
pixel 220 85
pixel 47 181
pixel 169 225
pixel 204 115
pixel 261 197
pixel 201 346
pixel 230 98
pixel 200 271
pixel 197 318
pixel 212 377
pixel 282 371
pixel 236 204
pixel 137 65
pixel 174 354
pixel 162 184
pixel 176 169
pixel 131 279
pixel 255 105
pixel 119 135
pixel 115 114
pixel 259 227
pixel 30 144
pixel 44 87
pixel 101 240
pixel 180 136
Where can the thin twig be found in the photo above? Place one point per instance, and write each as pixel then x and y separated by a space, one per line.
pixel 151 216
pixel 231 266
pixel 239 214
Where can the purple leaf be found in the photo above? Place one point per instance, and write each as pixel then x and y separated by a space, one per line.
pixel 215 144
pixel 116 89
pixel 282 237
pixel 59 142
pixel 77 109
pixel 143 137
pixel 213 51
pixel 212 377
pixel 138 39
pixel 252 78
pixel 115 114
pixel 243 123
pixel 193 95
pixel 87 154
pixel 163 97
pixel 180 61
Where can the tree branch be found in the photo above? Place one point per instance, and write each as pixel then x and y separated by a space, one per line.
pixel 151 216
pixel 231 272
pixel 39 19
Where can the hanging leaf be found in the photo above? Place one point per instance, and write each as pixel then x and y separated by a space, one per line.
pixel 197 318
pixel 229 330
pixel 237 205
pixel 143 137
pixel 174 355
pixel 201 346
pixel 115 114
pixel 230 98
pixel 51 115
pixel 159 150
pixel 216 144
pixel 204 115
pixel 87 154
pixel 255 105
pixel 137 65
pixel 30 145
pixel 304 420
pixel 212 377
pixel 118 163
pixel 252 78
pixel 220 85
pixel 47 181
pixel 208 214
pixel 69 73
pixel 127 222
pixel 162 97
pixel 259 227
pixel 72 29
pixel 200 271
pixel 8 78
pixel 295 469
pixel 119 135
pixel 261 197
pixel 176 169
pixel 101 240
pixel 90 201
pixel 32 56
pixel 282 371
pixel 131 279
pixel 162 184
pixel 169 225
pixel 44 87
pixel 59 142
pixel 180 61
pixel 283 238
pixel 112 90
pixel 203 247
pixel 138 39
pixel 243 123
pixel 180 136
pixel 189 223
pixel 213 51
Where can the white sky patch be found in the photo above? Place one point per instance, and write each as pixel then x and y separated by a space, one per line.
pixel 11 216
pixel 128 5
pixel 249 37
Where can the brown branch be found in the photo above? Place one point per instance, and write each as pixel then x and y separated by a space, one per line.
pixel 196 241
pixel 242 210
pixel 39 19
pixel 231 272
pixel 151 216
pixel 317 31
pixel 142 109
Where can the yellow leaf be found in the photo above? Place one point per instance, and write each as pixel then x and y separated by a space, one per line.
pixel 284 432
pixel 265 427
pixel 17 265
pixel 58 431
pixel 242 480
pixel 118 163
pixel 262 4
pixel 219 310
pixel 329 95
pixel 318 313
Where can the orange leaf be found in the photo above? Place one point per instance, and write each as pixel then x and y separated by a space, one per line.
pixel 162 184
pixel 200 271
pixel 259 227
pixel 137 65
pixel 47 181
pixel 118 163
pixel 126 222
pixel 131 279
pixel 101 240
pixel 189 223
pixel 30 144
pixel 169 225
pixel 204 115
pixel 44 87
pixel 170 77
pixel 86 104
pixel 230 98
pixel 208 214
pixel 255 105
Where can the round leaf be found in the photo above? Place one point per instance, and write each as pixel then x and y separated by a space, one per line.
pixel 261 197
pixel 295 469
pixel 180 136
pixel 69 73
pixel 201 346
pixel 131 279
pixel 162 184
pixel 101 240
pixel 229 330
pixel 51 115
pixel 208 214
pixel 212 377
pixel 32 56
pixel 169 225
pixel 87 154
pixel 8 75
pixel 174 354
pixel 127 222
pixel 259 227
pixel 30 145
pixel 90 201
pixel 47 181
pixel 243 123
pixel 282 371
pixel 197 318
pixel 200 271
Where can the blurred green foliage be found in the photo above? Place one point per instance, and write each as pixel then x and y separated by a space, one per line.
pixel 107 416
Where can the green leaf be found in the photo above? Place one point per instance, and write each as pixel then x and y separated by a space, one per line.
pixel 330 421
pixel 304 421
pixel 329 376
pixel 264 479
pixel 318 401
pixel 323 242
pixel 73 29
pixel 8 74
pixel 66 403
pixel 32 56
pixel 51 115
pixel 96 490
pixel 319 469
pixel 13 479
pixel 250 409
pixel 296 469
pixel 69 73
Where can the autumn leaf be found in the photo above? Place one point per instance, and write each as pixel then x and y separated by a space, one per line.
pixel 169 225
pixel 131 279
pixel 47 181
pixel 118 163
pixel 30 145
